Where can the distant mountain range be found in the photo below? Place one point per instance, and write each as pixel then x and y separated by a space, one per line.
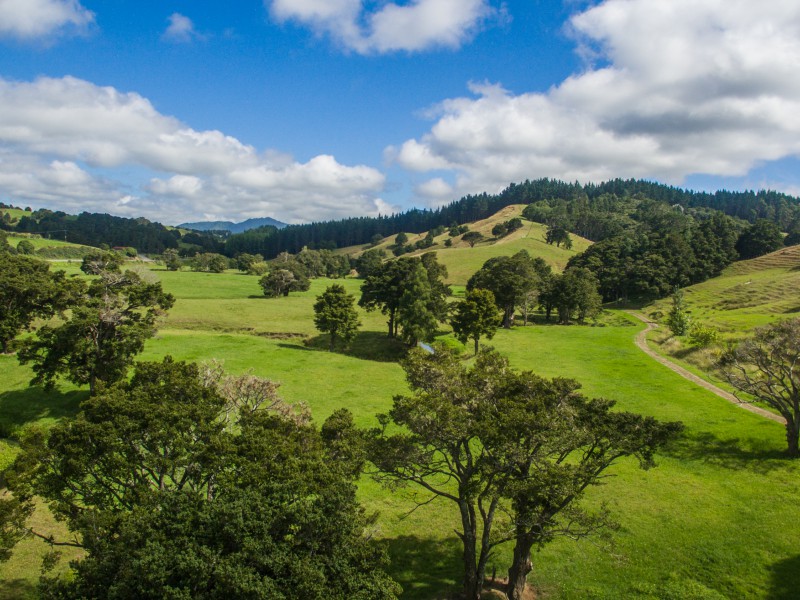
pixel 232 227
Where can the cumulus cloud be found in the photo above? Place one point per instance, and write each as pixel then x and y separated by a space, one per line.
pixel 684 87
pixel 31 19
pixel 415 26
pixel 69 137
pixel 180 30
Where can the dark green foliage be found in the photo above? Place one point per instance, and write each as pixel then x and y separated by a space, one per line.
pixel 25 247
pixel 765 366
pixel 369 261
pixel 335 314
pixel 400 239
pixel 595 211
pixel 668 249
pixel 510 278
pixel 410 291
pixel 762 237
pixel 475 317
pixel 472 238
pixel 100 261
pixel 90 229
pixel 573 294
pixel 170 499
pixel 28 290
pixel 107 328
pixel 209 262
pixel 557 234
pixel 284 276
pixel 678 319
pixel 491 440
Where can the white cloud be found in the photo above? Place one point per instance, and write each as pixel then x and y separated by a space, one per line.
pixel 180 30
pixel 414 26
pixel 62 134
pixel 686 87
pixel 30 19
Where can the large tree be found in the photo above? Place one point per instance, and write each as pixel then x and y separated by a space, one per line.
pixel 476 316
pixel 169 498
pixel 28 290
pixel 410 291
pixel 767 367
pixel 108 327
pixel 490 439
pixel 509 278
pixel 335 314
pixel 548 444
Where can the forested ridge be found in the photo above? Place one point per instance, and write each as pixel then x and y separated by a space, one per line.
pixel 599 210
pixel 594 211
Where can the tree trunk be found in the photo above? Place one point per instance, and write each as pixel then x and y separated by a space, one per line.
pixel 472 585
pixel 333 339
pixel 508 316
pixel 476 345
pixel 793 437
pixel 391 324
pixel 520 567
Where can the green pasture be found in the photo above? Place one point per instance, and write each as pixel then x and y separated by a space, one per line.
pixel 15 213
pixel 715 519
pixel 748 294
pixel 52 248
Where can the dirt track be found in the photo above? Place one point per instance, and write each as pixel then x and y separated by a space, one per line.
pixel 641 342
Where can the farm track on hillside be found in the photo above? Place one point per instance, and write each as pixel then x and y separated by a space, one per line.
pixel 641 342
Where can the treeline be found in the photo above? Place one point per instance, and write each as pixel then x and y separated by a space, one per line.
pixel 94 229
pixel 595 211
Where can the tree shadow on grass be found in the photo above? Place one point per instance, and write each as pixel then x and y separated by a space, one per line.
pixel 22 407
pixel 425 568
pixel 785 581
pixel 368 345
pixel 15 589
pixel 752 454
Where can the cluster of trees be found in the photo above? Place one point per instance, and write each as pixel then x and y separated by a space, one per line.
pixel 506 227
pixel 92 229
pixel 187 483
pixel 411 292
pixel 667 249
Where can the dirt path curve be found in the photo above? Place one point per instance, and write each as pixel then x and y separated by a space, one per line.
pixel 641 342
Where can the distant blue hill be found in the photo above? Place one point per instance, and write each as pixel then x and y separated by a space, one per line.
pixel 232 227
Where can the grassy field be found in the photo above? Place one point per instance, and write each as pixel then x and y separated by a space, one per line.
pixel 714 520
pixel 52 248
pixel 748 294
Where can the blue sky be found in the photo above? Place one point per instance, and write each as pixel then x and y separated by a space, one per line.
pixel 317 109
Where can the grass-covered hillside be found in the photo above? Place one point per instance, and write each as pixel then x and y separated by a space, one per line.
pixel 748 294
pixel 462 260
pixel 712 521
pixel 50 248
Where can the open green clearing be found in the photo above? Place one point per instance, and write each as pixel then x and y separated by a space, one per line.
pixel 718 514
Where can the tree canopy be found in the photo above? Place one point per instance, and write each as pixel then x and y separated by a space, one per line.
pixel 29 290
pixel 170 498
pixel 491 439
pixel 335 314
pixel 767 367
pixel 106 329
